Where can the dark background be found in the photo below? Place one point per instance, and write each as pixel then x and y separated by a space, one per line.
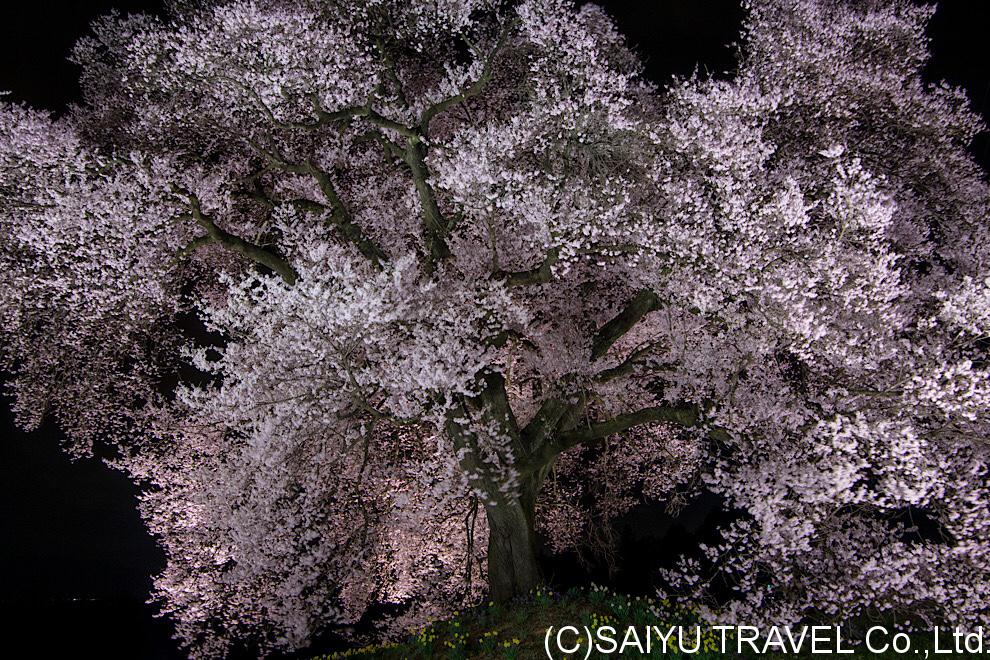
pixel 75 559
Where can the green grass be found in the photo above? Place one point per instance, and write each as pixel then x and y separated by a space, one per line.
pixel 517 631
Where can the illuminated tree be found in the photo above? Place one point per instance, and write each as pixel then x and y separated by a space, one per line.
pixel 369 295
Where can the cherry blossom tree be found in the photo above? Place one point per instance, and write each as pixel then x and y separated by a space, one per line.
pixel 370 295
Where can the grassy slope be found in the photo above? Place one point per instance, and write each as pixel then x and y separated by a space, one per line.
pixel 517 632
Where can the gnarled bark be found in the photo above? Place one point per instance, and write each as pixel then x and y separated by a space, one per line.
pixel 512 566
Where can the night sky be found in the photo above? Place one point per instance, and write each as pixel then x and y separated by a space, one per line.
pixel 75 559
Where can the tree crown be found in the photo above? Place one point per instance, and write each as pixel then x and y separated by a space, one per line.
pixel 332 275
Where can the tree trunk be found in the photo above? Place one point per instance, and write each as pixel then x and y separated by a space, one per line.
pixel 512 567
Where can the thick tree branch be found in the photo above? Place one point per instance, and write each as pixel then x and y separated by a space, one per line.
pixel 539 275
pixel 367 113
pixel 414 156
pixel 237 244
pixel 686 416
pixel 642 304
pixel 492 403
pixel 195 244
pixel 391 149
pixel 625 367
pixel 558 427
pixel 496 400
pixel 310 205
pixel 473 90
pixel 338 213
pixel 544 422
pixel 342 218
pixel 391 70
pixel 434 224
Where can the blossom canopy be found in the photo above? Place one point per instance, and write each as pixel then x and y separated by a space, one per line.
pixel 372 295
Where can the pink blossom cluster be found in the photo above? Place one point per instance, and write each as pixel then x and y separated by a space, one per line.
pixel 370 295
